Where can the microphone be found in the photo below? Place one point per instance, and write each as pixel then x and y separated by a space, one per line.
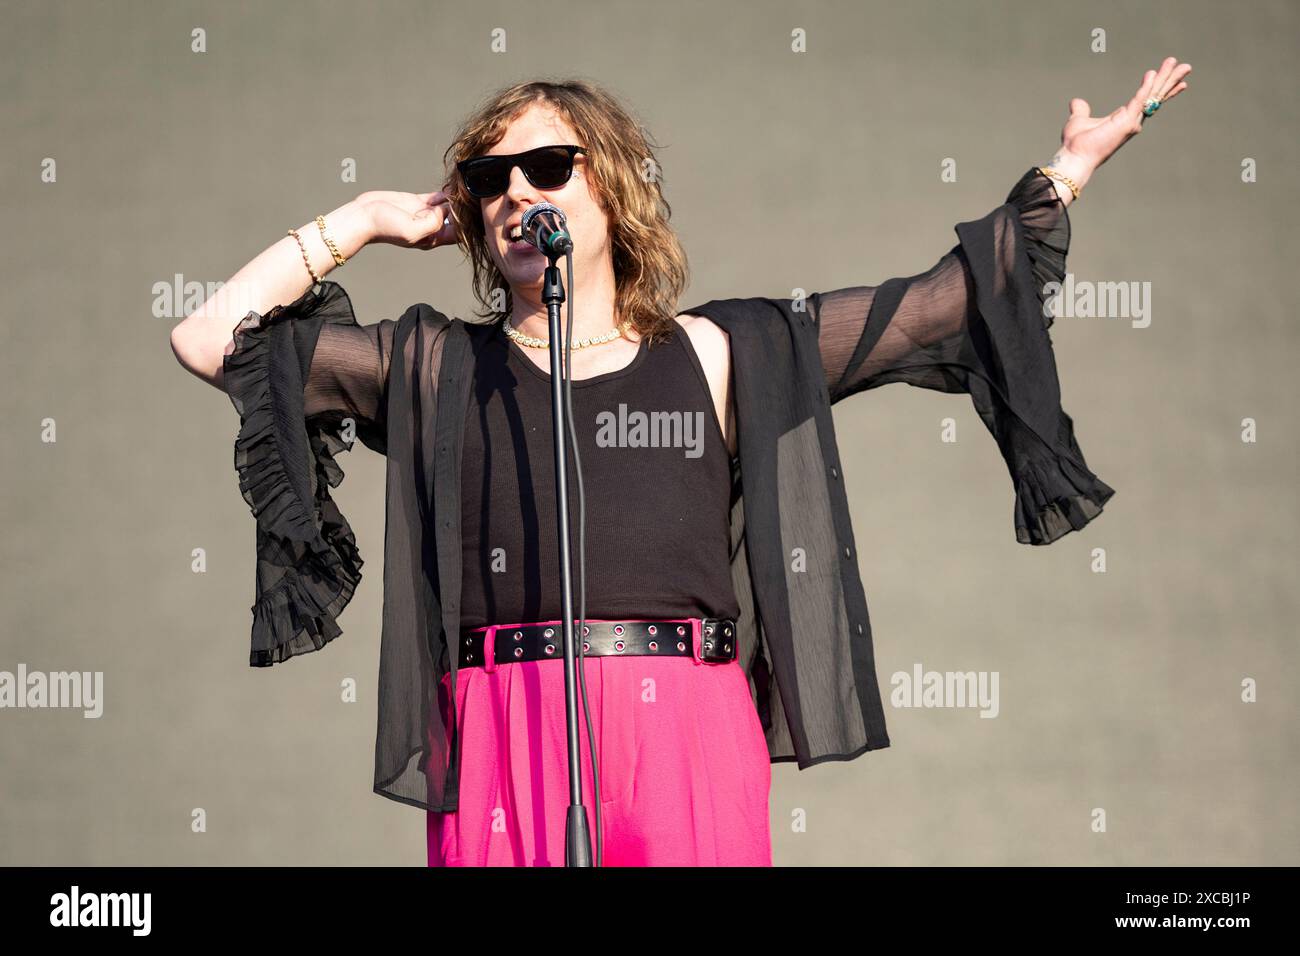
pixel 543 227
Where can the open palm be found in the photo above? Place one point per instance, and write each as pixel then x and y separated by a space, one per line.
pixel 1095 139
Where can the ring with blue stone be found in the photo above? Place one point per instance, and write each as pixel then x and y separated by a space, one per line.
pixel 1151 105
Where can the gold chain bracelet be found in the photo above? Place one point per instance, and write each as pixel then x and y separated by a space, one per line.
pixel 339 259
pixel 305 259
pixel 1056 174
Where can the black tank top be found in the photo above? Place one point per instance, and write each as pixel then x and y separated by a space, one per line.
pixel 657 486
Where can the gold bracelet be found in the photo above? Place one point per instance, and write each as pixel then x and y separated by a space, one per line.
pixel 1055 174
pixel 306 261
pixel 329 243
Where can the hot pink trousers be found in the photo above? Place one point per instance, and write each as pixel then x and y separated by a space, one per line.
pixel 684 767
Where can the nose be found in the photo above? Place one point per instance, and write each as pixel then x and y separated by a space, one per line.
pixel 521 190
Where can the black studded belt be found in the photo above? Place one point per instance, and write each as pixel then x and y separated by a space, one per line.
pixel 710 640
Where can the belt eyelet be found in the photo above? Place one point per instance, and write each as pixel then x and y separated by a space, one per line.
pixel 550 648
pixel 549 632
pixel 681 645
pixel 654 645
pixel 585 630
pixel 653 629
pixel 586 646
pixel 681 629
pixel 519 635
pixel 519 652
pixel 618 628
pixel 619 645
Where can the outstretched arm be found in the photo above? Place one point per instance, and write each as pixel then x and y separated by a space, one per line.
pixel 896 331
pixel 976 322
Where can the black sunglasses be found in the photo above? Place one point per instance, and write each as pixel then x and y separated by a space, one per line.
pixel 546 167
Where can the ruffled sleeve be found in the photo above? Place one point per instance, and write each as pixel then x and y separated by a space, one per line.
pixel 308 566
pixel 977 323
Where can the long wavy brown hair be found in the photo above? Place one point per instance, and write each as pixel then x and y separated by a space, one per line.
pixel 650 269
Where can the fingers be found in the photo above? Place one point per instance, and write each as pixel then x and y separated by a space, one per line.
pixel 1144 91
pixel 1174 92
pixel 447 231
pixel 445 234
pixel 1164 85
pixel 1132 110
pixel 434 225
pixel 1079 107
pixel 1169 76
pixel 411 202
pixel 433 206
pixel 1151 80
pixel 1174 84
pixel 1166 68
pixel 416 220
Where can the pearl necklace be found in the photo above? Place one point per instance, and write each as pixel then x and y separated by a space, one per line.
pixel 537 343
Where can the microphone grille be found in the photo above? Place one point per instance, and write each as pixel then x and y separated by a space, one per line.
pixel 537 209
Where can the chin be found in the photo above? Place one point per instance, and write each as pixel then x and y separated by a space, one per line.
pixel 530 273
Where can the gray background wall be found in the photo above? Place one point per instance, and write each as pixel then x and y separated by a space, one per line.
pixel 1119 690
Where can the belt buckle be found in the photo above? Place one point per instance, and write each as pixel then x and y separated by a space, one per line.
pixel 715 640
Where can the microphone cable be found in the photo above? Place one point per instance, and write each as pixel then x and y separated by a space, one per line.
pixel 582 551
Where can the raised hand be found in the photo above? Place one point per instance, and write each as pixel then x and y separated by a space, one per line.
pixel 1093 140
pixel 412 220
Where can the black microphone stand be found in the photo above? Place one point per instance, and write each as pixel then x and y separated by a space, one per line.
pixel 577 837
